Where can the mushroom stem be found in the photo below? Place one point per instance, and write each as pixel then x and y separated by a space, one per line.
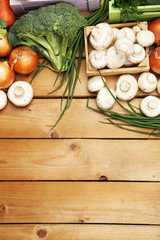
pixel 18 91
pixel 152 104
pixel 125 86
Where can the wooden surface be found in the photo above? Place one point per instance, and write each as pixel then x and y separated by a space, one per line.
pixel 82 180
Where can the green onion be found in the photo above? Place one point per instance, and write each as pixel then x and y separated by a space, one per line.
pixel 77 43
pixel 130 119
pixel 72 73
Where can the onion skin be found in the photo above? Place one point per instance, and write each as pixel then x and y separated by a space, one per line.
pixel 6 12
pixel 6 75
pixel 154 60
pixel 5 47
pixel 23 60
pixel 154 27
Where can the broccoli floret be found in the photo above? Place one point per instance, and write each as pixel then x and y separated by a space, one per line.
pixel 48 30
pixel 3 26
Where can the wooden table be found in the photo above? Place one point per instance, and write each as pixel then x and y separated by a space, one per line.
pixel 83 180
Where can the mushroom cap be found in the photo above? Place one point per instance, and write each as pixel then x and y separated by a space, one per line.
pixel 105 99
pixel 98 59
pixel 147 82
pixel 127 63
pixel 115 31
pixel 115 59
pixel 3 99
pixel 20 93
pixel 125 45
pixel 138 54
pixel 101 36
pixel 95 83
pixel 145 38
pixel 158 86
pixel 126 32
pixel 150 106
pixel 126 87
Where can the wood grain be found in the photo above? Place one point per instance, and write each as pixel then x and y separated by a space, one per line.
pixel 36 120
pixel 79 159
pixel 79 202
pixel 43 83
pixel 78 232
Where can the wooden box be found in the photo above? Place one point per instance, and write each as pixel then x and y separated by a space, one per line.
pixel 141 67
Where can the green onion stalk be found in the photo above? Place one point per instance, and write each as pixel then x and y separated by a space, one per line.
pixel 72 73
pixel 129 120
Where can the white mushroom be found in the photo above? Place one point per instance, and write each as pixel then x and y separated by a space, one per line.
pixel 98 59
pixel 145 38
pixel 126 87
pixel 125 45
pixel 147 82
pixel 158 86
pixel 115 59
pixel 95 83
pixel 105 99
pixel 101 36
pixel 136 29
pixel 127 63
pixel 115 31
pixel 3 99
pixel 20 93
pixel 126 32
pixel 150 106
pixel 138 54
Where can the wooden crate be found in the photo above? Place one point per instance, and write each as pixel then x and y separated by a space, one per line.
pixel 141 67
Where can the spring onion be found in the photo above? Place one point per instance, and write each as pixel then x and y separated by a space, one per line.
pixel 130 119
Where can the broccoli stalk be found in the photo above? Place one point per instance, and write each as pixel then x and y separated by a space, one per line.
pixel 48 30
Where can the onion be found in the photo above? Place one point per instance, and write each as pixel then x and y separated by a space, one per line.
pixel 154 26
pixel 154 60
pixel 5 47
pixel 23 60
pixel 6 75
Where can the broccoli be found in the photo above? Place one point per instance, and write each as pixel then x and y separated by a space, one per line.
pixel 3 26
pixel 49 31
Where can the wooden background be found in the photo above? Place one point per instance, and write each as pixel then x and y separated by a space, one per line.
pixel 81 181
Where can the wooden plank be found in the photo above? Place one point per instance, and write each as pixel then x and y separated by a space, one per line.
pixel 36 120
pixel 78 232
pixel 80 202
pixel 79 159
pixel 43 83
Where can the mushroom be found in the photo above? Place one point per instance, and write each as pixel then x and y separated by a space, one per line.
pixel 126 87
pixel 127 63
pixel 105 99
pixel 145 38
pixel 150 106
pixel 98 59
pixel 125 45
pixel 20 93
pixel 126 32
pixel 136 29
pixel 115 59
pixel 158 86
pixel 101 36
pixel 3 99
pixel 138 54
pixel 95 83
pixel 115 31
pixel 147 82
